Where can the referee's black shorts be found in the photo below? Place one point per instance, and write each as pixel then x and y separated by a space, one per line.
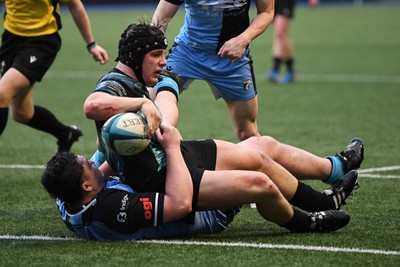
pixel 32 56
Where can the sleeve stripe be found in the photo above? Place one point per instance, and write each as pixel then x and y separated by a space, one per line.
pixel 156 210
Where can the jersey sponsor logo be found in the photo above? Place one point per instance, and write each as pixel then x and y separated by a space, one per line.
pixel 124 203
pixel 148 207
pixel 32 59
pixel 225 5
pixel 116 87
pixel 121 216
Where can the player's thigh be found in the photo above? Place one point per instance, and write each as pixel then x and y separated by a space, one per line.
pixel 237 157
pixel 281 26
pixel 229 189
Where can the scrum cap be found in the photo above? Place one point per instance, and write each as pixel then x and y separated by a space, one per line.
pixel 136 41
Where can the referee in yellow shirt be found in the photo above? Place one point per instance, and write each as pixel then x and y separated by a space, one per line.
pixel 30 43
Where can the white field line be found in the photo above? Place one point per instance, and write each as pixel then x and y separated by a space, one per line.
pixel 380 169
pixel 21 166
pixel 359 78
pixel 363 173
pixel 224 244
pixel 372 172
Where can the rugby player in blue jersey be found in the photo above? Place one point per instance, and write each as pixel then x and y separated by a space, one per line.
pixel 214 45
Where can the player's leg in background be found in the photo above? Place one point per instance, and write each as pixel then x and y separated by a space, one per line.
pixel 282 50
pixel 244 117
pixel 18 92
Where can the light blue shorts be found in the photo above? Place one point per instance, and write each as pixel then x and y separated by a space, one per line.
pixel 227 80
pixel 206 222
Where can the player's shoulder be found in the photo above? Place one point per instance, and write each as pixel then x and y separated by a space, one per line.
pixel 120 84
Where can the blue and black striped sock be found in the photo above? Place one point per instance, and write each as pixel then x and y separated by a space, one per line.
pixel 337 169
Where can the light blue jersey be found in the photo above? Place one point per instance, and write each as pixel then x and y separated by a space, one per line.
pixel 208 25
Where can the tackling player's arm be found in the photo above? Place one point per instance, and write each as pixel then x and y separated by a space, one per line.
pixel 178 186
pixel 143 209
pixel 165 11
pixel 166 94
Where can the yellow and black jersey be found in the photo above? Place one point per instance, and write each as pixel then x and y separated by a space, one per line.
pixel 32 17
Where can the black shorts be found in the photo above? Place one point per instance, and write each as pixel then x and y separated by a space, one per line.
pixel 142 174
pixel 285 8
pixel 32 56
pixel 199 156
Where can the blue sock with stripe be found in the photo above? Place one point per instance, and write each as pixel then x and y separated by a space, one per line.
pixel 337 169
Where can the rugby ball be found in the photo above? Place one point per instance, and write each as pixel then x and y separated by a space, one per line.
pixel 125 133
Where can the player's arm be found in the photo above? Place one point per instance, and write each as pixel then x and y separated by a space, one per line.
pixel 168 106
pixel 82 21
pixel 100 106
pixel 178 186
pixel 166 95
pixel 164 12
pixel 235 47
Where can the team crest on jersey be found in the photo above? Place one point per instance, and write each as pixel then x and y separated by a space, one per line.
pixel 247 85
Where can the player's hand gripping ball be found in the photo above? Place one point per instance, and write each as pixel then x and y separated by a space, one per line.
pixel 126 133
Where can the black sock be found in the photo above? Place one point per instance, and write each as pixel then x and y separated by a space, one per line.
pixel 306 198
pixel 276 64
pixel 45 121
pixel 290 64
pixel 299 223
pixel 3 119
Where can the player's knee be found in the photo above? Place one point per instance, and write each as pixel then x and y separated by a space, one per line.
pixel 21 116
pixel 261 183
pixel 5 102
pixel 267 143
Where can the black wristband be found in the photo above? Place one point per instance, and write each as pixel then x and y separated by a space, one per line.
pixel 91 45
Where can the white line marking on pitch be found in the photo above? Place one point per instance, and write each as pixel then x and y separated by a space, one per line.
pixel 21 166
pixel 380 169
pixel 359 78
pixel 224 244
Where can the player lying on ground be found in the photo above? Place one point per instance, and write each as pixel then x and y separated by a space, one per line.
pixel 98 207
